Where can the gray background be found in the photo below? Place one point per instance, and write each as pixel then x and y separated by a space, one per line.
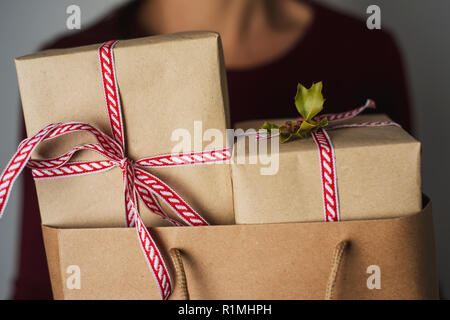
pixel 421 28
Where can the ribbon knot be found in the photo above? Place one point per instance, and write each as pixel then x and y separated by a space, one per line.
pixel 123 163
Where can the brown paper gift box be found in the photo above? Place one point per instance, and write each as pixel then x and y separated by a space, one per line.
pixel 378 176
pixel 165 83
pixel 255 261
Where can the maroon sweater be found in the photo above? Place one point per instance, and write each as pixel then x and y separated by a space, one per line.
pixel 353 62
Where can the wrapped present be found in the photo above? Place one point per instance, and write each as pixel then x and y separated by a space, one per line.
pixel 356 167
pixel 165 83
pixel 99 120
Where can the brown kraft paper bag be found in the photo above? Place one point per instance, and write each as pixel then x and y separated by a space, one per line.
pixel 372 259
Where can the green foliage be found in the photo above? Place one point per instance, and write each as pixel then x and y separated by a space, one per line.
pixel 309 103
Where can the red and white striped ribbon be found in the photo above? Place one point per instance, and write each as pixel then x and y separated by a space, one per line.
pixel 328 176
pixel 333 117
pixel 327 158
pixel 137 182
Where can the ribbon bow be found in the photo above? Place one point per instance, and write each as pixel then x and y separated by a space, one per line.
pixel 137 182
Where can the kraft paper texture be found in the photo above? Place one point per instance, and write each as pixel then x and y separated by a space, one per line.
pixel 378 176
pixel 165 83
pixel 265 261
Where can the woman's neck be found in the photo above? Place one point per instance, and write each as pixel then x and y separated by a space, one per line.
pixel 252 31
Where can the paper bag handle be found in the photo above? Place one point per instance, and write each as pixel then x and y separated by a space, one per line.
pixel 338 255
pixel 180 274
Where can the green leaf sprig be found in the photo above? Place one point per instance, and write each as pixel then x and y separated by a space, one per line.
pixel 309 103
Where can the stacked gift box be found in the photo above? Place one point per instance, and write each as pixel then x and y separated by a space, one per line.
pixel 268 235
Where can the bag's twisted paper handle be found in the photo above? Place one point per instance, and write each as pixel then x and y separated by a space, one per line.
pixel 338 256
pixel 137 182
pixel 180 274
